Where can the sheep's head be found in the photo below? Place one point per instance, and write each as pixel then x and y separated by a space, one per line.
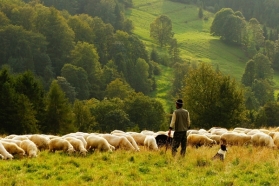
pixel 83 152
pixel 71 150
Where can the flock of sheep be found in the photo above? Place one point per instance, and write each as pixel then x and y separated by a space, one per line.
pixel 81 142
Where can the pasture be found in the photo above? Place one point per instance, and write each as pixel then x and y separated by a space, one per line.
pixel 193 37
pixel 242 166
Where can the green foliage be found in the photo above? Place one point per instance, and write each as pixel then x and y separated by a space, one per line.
pixel 17 111
pixel 212 98
pixel 82 29
pixel 228 25
pixel 78 78
pixel 4 20
pixel 59 35
pixel 263 91
pixel 67 88
pixel 58 117
pixel 28 85
pixel 84 55
pixel 20 47
pixel 200 12
pixel 259 76
pixel 83 120
pixel 110 115
pixel 142 83
pixel 180 70
pixel 151 117
pixel 255 33
pixel 118 89
pixel 161 30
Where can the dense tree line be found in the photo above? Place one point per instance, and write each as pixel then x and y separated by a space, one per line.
pixel 72 59
pixel 85 50
pixel 25 107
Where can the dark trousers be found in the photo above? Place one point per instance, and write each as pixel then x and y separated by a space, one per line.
pixel 179 138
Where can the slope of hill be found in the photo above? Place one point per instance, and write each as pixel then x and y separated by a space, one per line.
pixel 193 37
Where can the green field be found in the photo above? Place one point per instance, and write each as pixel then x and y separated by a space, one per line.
pixel 242 166
pixel 192 34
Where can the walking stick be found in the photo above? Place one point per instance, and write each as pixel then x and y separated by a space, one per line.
pixel 167 144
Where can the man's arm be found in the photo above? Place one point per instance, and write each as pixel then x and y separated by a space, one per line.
pixel 189 121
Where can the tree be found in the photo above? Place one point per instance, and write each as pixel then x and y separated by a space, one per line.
pixel 151 117
pixel 82 29
pixel 19 47
pixel 67 88
pixel 212 98
pixel 229 25
pixel 255 33
pixel 263 91
pixel 4 20
pixel 33 91
pixel 154 56
pixel 59 35
pixel 257 68
pixel 119 89
pixel 161 30
pixel 78 78
pixel 142 83
pixel 59 116
pixel 180 70
pixel 23 16
pixel 200 12
pixel 263 68
pixel 249 73
pixel 83 119
pixel 174 52
pixel 84 55
pixel 17 114
pixel 109 115
pixel 271 110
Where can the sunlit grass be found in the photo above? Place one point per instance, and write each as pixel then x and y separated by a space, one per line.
pixel 242 166
pixel 194 40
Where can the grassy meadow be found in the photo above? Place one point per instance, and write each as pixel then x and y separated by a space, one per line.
pixel 242 166
pixel 193 37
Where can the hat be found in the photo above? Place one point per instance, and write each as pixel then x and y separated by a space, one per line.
pixel 179 102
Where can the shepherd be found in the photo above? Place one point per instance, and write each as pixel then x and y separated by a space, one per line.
pixel 180 122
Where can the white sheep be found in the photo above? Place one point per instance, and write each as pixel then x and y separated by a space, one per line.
pixel 60 144
pixel 138 137
pixel 4 153
pixel 77 144
pixel 198 140
pixel 262 139
pixel 30 148
pixel 20 137
pixel 11 136
pixel 234 138
pixel 99 143
pixel 130 139
pixel 150 143
pixel 41 141
pixel 12 141
pixel 119 142
pixel 13 148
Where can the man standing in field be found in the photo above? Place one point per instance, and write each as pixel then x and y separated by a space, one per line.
pixel 180 122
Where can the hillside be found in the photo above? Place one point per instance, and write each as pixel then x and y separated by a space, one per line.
pixel 193 37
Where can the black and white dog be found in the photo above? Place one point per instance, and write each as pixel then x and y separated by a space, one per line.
pixel 221 153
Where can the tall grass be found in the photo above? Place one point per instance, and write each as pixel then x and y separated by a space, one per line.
pixel 242 166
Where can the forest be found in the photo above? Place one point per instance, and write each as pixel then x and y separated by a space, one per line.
pixel 77 66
